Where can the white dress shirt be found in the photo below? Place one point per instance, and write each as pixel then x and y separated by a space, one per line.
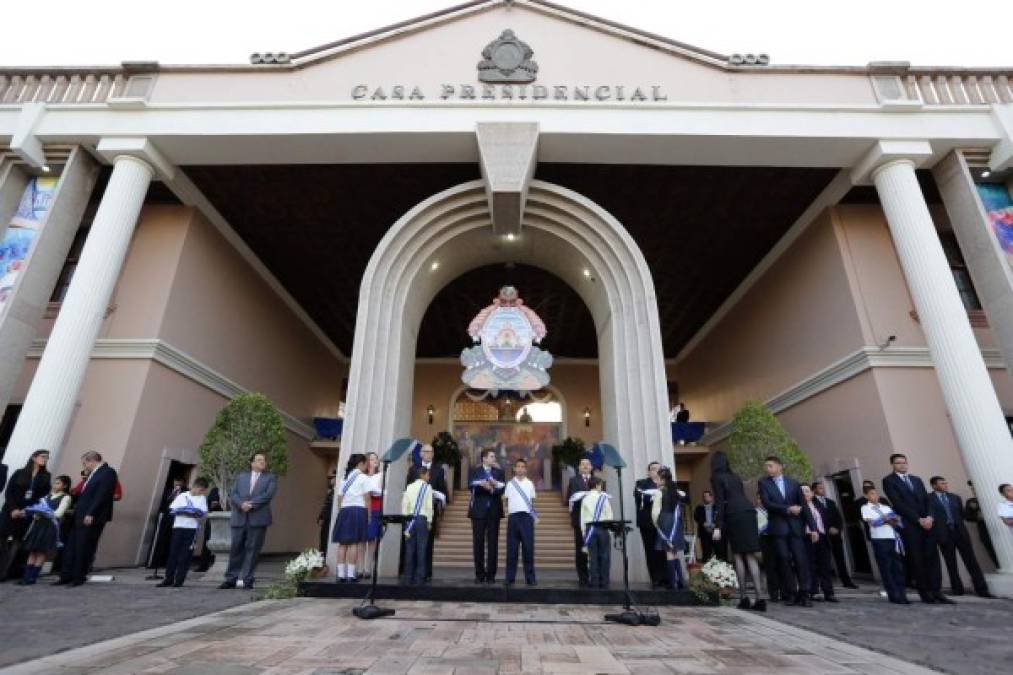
pixel 515 502
pixel 1006 510
pixel 358 488
pixel 869 515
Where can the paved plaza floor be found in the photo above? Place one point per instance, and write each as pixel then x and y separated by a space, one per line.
pixel 128 626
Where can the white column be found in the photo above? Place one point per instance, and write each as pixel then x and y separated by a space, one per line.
pixel 51 399
pixel 970 398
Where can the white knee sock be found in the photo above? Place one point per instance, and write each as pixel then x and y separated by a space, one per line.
pixel 341 570
pixel 351 570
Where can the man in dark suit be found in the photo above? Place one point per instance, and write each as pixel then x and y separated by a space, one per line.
pixel 438 482
pixel 3 477
pixel 787 520
pixel 835 525
pixel 94 508
pixel 487 483
pixel 250 501
pixel 648 533
pixel 910 501
pixel 951 535
pixel 818 549
pixel 579 483
pixel 703 516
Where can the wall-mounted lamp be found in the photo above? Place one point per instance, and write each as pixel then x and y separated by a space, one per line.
pixel 430 411
pixel 587 417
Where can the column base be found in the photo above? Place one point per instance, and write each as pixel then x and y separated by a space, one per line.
pixel 1000 584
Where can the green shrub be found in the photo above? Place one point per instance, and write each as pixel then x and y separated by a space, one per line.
pixel 756 433
pixel 247 425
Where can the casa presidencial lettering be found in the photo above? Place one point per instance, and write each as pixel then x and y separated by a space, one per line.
pixel 512 92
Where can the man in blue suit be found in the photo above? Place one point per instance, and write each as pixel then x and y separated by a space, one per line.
pixel 787 520
pixel 250 501
pixel 487 484
pixel 910 500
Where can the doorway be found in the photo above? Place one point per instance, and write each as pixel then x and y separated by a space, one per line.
pixel 854 533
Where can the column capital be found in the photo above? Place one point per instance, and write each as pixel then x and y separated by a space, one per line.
pixel 886 152
pixel 138 148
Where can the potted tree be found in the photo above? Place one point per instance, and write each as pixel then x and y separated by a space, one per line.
pixel 247 425
pixel 756 434
pixel 447 452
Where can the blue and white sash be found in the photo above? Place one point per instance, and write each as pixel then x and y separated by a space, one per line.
pixel 43 509
pixel 669 538
pixel 898 543
pixel 349 481
pixel 415 513
pixel 191 510
pixel 531 507
pixel 597 514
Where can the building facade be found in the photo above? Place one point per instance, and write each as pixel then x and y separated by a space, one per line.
pixel 318 226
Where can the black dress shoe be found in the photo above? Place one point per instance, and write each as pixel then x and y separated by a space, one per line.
pixel 760 606
pixel 943 600
pixel 928 599
pixel 60 582
pixel 227 584
pixel 74 584
pixel 805 602
pixel 744 603
pixel 164 584
pixel 960 592
pixel 490 580
pixel 178 585
pixel 986 594
pixel 831 598
pixel 851 585
pixel 479 580
pixel 532 583
pixel 508 583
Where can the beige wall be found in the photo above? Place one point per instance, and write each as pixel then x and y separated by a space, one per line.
pixel 183 283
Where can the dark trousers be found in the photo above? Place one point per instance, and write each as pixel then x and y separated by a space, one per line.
pixel 921 557
pixel 709 547
pixel 520 539
pixel 79 551
pixel 599 554
pixel 485 546
pixel 891 568
pixel 986 541
pixel 789 549
pixel 178 563
pixel 579 556
pixel 655 558
pixel 770 567
pixel 325 531
pixel 957 540
pixel 820 571
pixel 840 563
pixel 431 544
pixel 246 544
pixel 416 547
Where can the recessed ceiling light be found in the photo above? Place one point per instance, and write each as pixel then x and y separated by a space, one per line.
pixel 435 266
pixel 511 236
pixel 986 173
pixel 45 168
pixel 587 273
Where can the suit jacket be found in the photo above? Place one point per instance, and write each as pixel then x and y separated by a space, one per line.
pixel 96 498
pixel 700 518
pixel 575 485
pixel 780 522
pixel 729 498
pixel 830 514
pixel 3 476
pixel 939 526
pixel 909 504
pixel 485 504
pixel 643 502
pixel 263 493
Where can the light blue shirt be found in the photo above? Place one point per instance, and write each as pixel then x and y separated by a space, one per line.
pixel 780 486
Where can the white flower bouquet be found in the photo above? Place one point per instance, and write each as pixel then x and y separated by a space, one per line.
pixel 306 563
pixel 714 581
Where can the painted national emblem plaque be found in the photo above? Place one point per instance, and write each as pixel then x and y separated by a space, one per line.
pixel 506 357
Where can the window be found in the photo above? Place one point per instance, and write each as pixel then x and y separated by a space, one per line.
pixel 958 266
pixel 67 273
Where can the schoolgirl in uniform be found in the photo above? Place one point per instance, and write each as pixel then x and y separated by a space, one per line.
pixel 351 525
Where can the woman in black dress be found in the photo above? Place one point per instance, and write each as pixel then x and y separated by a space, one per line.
pixel 27 486
pixel 735 520
pixel 43 537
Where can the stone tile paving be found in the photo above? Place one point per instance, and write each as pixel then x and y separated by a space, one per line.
pixel 971 637
pixel 321 637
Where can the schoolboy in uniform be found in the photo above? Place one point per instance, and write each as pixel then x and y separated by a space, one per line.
pixel 417 502
pixel 521 519
pixel 188 509
pixel 597 540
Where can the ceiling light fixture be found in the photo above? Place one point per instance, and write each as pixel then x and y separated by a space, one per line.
pixel 435 266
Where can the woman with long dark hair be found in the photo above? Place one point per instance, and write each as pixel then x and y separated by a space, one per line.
pixel 666 512
pixel 735 520
pixel 373 528
pixel 26 487
pixel 350 527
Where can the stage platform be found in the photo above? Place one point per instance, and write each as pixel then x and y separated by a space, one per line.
pixel 549 592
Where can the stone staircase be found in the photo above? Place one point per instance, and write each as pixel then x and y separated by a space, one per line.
pixel 553 537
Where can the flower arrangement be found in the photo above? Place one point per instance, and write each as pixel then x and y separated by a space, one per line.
pixel 304 564
pixel 714 581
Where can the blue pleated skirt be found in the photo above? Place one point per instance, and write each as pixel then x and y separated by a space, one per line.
pixel 351 525
pixel 373 529
pixel 665 521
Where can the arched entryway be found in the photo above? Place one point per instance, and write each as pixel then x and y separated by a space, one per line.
pixel 564 233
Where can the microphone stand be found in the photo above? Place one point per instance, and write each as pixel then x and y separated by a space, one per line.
pixel 630 616
pixel 371 611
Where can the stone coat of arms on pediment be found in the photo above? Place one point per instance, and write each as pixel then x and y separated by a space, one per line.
pixel 507 60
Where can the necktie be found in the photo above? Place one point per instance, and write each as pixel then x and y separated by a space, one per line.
pixel 780 486
pixel 818 519
pixel 907 481
pixel 946 508
pixel 253 482
pixel 709 510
